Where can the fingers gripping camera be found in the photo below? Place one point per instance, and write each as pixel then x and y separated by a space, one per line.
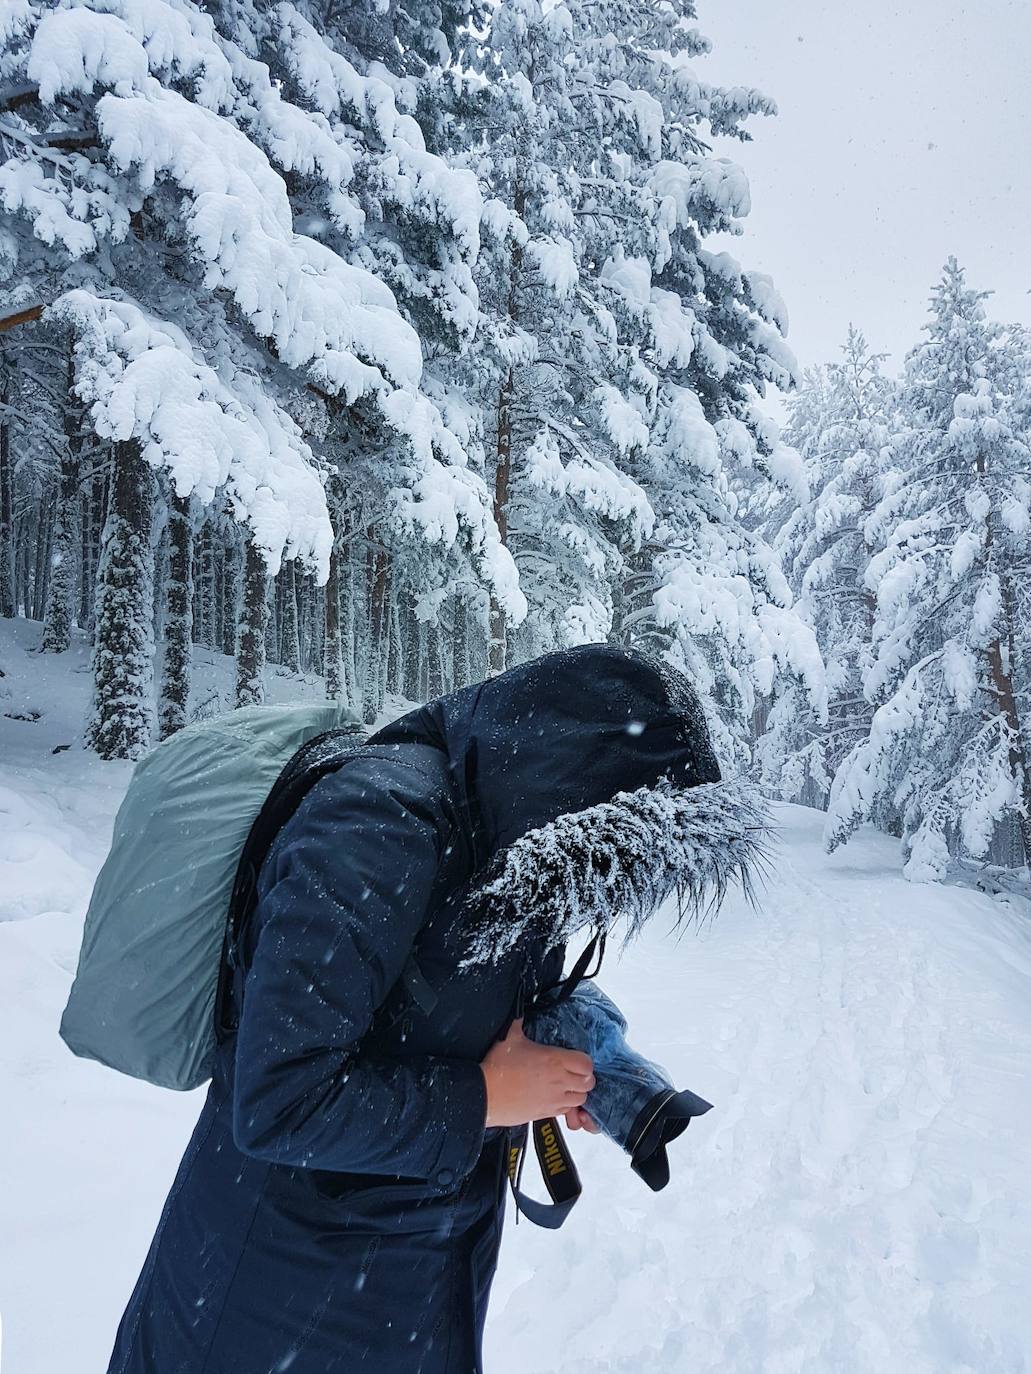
pixel 633 1100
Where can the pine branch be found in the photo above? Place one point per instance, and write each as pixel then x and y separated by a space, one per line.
pixel 40 149
pixel 33 312
pixel 11 97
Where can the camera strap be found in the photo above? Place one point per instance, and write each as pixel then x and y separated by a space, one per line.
pixel 557 1168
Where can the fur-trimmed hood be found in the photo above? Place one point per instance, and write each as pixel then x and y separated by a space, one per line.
pixel 587 788
pixel 618 862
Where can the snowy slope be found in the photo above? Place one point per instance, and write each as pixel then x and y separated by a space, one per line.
pixel 858 1201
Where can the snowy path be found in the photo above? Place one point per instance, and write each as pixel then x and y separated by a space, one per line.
pixel 859 1200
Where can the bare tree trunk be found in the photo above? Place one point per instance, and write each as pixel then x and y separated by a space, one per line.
pixel 1000 666
pixel 57 621
pixel 253 622
pixel 395 651
pixel 207 574
pixel 374 675
pixel 315 625
pixel 178 662
pixel 218 589
pixel 8 599
pixel 497 652
pixel 332 658
pixel 460 642
pixel 410 685
pixel 121 720
pixel 93 508
pixel 24 543
pixel 435 655
pixel 497 649
pixel 230 595
pixel 349 623
pixel 44 543
pixel 289 637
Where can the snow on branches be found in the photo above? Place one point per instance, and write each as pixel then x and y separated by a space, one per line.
pixel 142 380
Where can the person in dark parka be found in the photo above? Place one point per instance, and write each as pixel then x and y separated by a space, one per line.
pixel 339 1205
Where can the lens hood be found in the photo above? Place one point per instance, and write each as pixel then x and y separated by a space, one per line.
pixel 660 1121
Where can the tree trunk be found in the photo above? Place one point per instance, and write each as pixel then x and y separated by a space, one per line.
pixel 497 652
pixel 374 681
pixel 230 595
pixel 207 576
pixel 251 628
pixel 93 509
pixel 24 543
pixel 57 621
pixel 218 588
pixel 85 552
pixel 497 649
pixel 460 642
pixel 348 623
pixel 121 720
pixel 274 594
pixel 41 563
pixel 332 657
pixel 1000 666
pixel 8 599
pixel 178 662
pixel 395 652
pixel 289 635
pixel 315 623
pixel 410 685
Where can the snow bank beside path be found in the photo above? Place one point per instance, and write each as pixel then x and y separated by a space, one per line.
pixel 859 1199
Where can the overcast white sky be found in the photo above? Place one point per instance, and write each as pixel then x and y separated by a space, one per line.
pixel 904 135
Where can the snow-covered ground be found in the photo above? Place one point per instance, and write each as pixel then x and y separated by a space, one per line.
pixel 859 1200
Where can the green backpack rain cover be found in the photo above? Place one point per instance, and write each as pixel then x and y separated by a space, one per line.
pixel 143 998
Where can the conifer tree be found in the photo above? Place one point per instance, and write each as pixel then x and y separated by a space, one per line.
pixel 621 365
pixel 947 742
pixel 122 715
pixel 842 425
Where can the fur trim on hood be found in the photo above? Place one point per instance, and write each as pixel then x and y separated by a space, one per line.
pixel 619 860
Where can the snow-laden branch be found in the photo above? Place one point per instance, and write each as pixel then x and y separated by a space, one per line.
pixel 143 380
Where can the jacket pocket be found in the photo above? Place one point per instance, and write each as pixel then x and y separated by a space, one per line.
pixel 341 1187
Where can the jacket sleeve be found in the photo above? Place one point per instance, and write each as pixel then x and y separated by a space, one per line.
pixel 342 897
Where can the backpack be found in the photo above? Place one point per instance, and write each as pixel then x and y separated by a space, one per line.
pixel 151 995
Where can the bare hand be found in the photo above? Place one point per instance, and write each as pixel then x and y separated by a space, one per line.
pixel 578 1119
pixel 527 1081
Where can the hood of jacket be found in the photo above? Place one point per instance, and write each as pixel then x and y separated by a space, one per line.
pixel 574 774
pixel 560 733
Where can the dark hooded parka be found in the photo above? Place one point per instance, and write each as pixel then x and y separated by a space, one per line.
pixel 339 1205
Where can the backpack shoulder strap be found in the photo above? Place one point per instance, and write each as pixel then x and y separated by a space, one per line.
pixel 321 755
pixel 315 760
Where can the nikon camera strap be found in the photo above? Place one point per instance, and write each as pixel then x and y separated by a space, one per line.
pixel 560 1175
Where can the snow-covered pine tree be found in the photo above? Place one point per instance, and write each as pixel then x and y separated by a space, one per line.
pixel 946 744
pixel 427 522
pixel 122 715
pixel 841 423
pixel 621 364
pixel 561 498
pixel 157 146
